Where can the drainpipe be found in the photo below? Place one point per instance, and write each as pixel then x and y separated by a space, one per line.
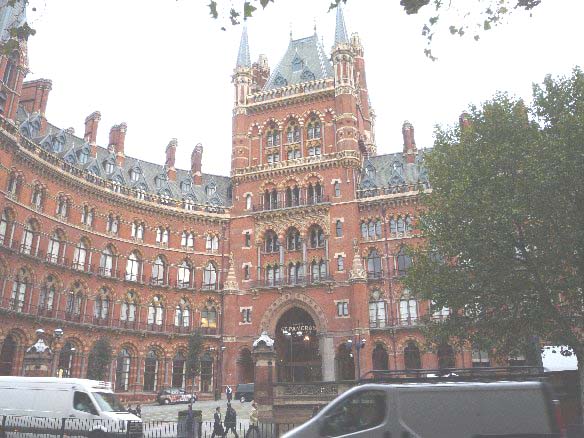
pixel 390 281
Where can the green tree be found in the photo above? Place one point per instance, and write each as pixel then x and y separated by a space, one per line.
pixel 99 360
pixel 504 224
pixel 194 350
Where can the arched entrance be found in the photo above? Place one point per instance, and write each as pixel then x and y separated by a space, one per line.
pixel 380 358
pixel 345 363
pixel 7 356
pixel 297 345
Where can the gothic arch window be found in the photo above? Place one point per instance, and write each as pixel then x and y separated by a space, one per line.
pixel 30 237
pixel 293 132
pixel 270 199
pixel 151 371
pixel 6 227
pixel 123 366
pixel 280 81
pixel 179 370
pixel 106 261
pixel 55 248
pixel 211 243
pixel 137 231
pixel 186 185
pixel 159 268
pixel 273 274
pixel 293 242
pixel 83 156
pixel 187 240
pixel 273 136
pixel 38 196
pixel 11 71
pixel 162 234
pixel 397 168
pixel 75 301
pixel 210 190
pixel 403 262
pixel 209 320
pixel 182 314
pixel 248 202
pixel 109 166
pixel 47 295
pixel 377 312
pixel 445 356
pixel 412 359
pixel 133 266
pixel 20 287
pixel 316 237
pixel 62 208
pixel 380 358
pixel 14 183
pixel 80 254
pixel 318 270
pixel 210 276
pixel 408 311
pixel 66 359
pixel 112 223
pixel 7 355
pixel 184 275
pixel 307 75
pixel 374 264
pixel 101 306
pixel 339 228
pixel 135 174
pixel 295 273
pixel 314 193
pixel 292 196
pixel 155 312
pixel 87 215
pixel 128 308
pixel 272 243
pixel 297 64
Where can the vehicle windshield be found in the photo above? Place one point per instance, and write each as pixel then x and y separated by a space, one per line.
pixel 108 402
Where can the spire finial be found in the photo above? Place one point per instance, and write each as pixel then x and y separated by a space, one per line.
pixel 290 31
pixel 315 25
pixel 341 36
pixel 243 58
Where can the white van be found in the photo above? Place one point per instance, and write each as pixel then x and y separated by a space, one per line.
pixel 76 406
pixel 437 410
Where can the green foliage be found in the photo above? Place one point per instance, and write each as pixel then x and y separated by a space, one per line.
pixel 99 360
pixel 504 224
pixel 194 350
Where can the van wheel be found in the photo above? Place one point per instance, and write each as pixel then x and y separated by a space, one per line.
pixel 98 434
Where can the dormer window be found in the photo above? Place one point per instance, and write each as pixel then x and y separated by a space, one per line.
pixel 158 182
pixel 210 190
pixel 109 167
pixel 297 64
pixel 83 156
pixel 185 186
pixel 135 174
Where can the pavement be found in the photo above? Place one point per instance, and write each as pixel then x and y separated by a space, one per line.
pixel 156 412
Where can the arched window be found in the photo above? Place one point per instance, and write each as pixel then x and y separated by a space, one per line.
pixel 128 308
pixel 380 358
pixel 133 266
pixel 270 199
pixel 313 130
pixel 184 275
pixel 273 136
pixel 293 133
pixel 248 202
pixel 314 193
pixel 62 209
pixel 401 225
pixel 83 156
pixel 210 277
pixel 318 270
pixel 7 356
pixel 66 357
pixel 206 372
pixel 123 363
pixel 445 356
pixel 162 235
pixel 30 237
pixel 182 314
pixel 80 255
pixel 345 363
pixel 151 371
pixel 209 320
pixel 377 313
pixel 412 360
pixel 273 275
pixel 13 184
pixel 187 239
pixel 408 311
pixel 37 196
pixel 87 214
pixel 106 262
pixel 54 249
pixel 6 227
pixel 11 71
pixel 292 196
pixel 211 243
pixel 272 242
pixel 138 230
pixel 19 290
pixel 112 224
pixel 404 262
pixel 155 312
pixel 158 271
pixel 102 305
pixel 316 237
pixel 47 295
pixel 409 224
pixel 75 301
pixel 135 174
pixel 178 370
pixel 392 227
pixel 339 228
pixel 295 273
pixel 293 240
pixel 374 264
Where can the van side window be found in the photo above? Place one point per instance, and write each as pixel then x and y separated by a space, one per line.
pixel 361 411
pixel 82 402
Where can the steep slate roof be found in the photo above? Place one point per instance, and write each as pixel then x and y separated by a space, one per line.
pixel 391 170
pixel 341 35
pixel 305 60
pixel 243 58
pixel 11 16
pixel 215 189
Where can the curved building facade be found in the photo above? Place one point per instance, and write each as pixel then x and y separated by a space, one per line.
pixel 304 240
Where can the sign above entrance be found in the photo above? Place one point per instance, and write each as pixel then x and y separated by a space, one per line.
pixel 299 327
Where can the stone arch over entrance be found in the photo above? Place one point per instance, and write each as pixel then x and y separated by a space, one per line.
pixel 289 301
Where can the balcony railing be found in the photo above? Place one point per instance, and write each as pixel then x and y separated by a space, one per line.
pixel 291 282
pixel 291 203
pixel 374 275
pixel 404 322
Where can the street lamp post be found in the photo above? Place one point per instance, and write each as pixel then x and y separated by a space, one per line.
pixel 358 342
pixel 288 335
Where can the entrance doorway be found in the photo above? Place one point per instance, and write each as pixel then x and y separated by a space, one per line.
pixel 297 348
pixel 7 355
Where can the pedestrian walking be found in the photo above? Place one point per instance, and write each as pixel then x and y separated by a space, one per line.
pixel 190 422
pixel 139 410
pixel 229 393
pixel 217 426
pixel 253 421
pixel 231 421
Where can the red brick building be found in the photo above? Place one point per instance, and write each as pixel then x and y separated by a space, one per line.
pixel 303 241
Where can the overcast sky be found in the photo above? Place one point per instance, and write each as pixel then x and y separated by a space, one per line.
pixel 164 67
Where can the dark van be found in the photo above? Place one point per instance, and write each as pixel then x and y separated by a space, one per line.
pixel 244 392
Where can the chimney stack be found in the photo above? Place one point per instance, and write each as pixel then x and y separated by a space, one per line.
pixel 409 142
pixel 170 160
pixel 117 139
pixel 196 161
pixel 464 121
pixel 34 98
pixel 90 136
pixel 260 72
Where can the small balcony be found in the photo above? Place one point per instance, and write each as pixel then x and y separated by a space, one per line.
pixel 292 203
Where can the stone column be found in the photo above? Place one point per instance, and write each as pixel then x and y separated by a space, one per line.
pixel 327 353
pixel 264 357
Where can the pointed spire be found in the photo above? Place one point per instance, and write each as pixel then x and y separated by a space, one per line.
pixel 341 36
pixel 243 58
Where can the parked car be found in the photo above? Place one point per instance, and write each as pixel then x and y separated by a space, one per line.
pixel 244 392
pixel 175 395
pixel 54 406
pixel 438 410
